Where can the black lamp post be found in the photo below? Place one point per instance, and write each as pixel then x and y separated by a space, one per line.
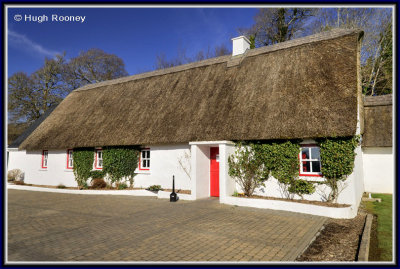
pixel 173 197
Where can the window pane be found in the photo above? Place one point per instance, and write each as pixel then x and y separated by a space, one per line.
pixel 306 167
pixel 316 167
pixel 148 154
pixel 315 153
pixel 143 154
pixel 100 163
pixel 144 163
pixel 148 163
pixel 305 153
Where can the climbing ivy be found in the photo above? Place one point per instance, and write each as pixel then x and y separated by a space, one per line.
pixel 120 162
pixel 83 165
pixel 281 158
pixel 337 160
pixel 254 162
pixel 260 159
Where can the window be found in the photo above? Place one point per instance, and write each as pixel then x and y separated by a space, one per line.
pixel 98 162
pixel 70 159
pixel 310 161
pixel 45 155
pixel 144 160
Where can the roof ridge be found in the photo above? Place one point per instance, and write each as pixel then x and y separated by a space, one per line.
pixel 332 34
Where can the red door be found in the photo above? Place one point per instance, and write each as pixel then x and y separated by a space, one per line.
pixel 214 172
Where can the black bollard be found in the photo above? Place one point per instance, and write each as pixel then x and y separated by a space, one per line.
pixel 173 196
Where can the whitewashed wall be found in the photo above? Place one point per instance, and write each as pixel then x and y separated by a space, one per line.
pixel 378 169
pixel 164 163
pixel 30 162
pixel 200 171
pixel 351 189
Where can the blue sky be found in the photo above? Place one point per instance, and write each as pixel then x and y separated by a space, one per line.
pixel 136 35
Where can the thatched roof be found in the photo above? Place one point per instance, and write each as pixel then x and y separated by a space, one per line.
pixel 297 89
pixel 378 121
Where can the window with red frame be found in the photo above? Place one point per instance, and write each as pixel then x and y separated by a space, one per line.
pixel 45 157
pixel 98 162
pixel 310 161
pixel 70 159
pixel 144 161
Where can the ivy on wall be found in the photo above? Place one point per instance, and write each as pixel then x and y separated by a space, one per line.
pixel 281 159
pixel 254 162
pixel 120 162
pixel 83 165
pixel 337 160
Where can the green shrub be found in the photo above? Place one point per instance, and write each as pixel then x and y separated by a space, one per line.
pixel 83 165
pixel 122 186
pixel 61 186
pixel 301 187
pixel 154 188
pixel 98 183
pixel 246 168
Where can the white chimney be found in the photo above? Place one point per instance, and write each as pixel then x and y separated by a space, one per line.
pixel 240 45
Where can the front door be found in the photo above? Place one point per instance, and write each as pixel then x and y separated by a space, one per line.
pixel 214 172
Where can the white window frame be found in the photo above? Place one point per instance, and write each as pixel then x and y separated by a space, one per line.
pixel 310 174
pixel 97 165
pixel 146 159
pixel 70 159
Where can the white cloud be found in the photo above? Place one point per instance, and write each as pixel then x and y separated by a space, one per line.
pixel 22 42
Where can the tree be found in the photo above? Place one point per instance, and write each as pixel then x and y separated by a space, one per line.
pixel 376 49
pixel 29 96
pixel 274 25
pixel 182 58
pixel 378 71
pixel 93 66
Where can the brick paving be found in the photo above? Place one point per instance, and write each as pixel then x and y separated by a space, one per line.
pixel 46 226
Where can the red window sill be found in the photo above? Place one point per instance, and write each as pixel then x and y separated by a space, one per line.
pixel 308 175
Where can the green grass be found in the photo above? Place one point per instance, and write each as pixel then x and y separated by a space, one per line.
pixel 384 212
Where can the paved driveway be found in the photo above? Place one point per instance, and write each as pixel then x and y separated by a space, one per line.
pixel 72 227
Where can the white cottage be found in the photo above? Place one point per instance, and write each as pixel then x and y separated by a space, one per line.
pixel 186 118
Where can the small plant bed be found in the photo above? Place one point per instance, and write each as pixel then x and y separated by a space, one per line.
pixel 52 187
pixel 179 191
pixel 338 241
pixel 108 188
pixel 327 204
pixel 76 188
pixel 20 183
